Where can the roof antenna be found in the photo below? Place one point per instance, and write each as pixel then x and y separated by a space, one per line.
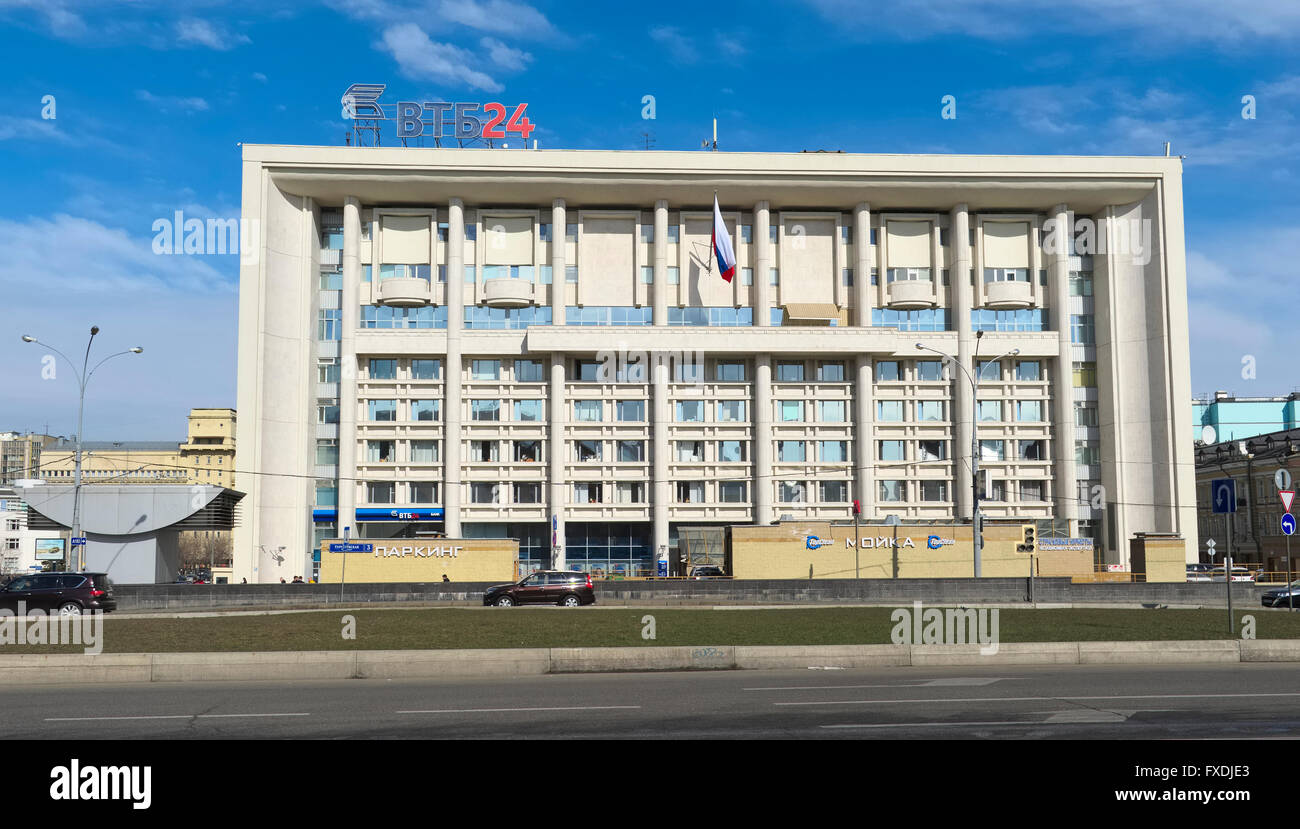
pixel 1166 149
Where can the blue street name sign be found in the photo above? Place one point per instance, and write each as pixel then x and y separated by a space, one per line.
pixel 352 548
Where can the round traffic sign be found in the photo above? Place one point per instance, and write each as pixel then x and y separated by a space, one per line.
pixel 1282 478
pixel 1288 524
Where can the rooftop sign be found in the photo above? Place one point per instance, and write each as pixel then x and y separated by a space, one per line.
pixel 438 119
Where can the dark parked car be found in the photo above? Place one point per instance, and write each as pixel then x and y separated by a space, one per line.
pixel 708 571
pixel 68 593
pixel 565 588
pixel 1277 597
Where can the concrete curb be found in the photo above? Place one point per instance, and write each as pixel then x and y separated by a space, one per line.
pixel 52 669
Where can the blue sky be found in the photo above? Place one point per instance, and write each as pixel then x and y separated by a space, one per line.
pixel 152 99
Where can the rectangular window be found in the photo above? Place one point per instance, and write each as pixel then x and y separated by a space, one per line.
pixel 587 492
pixel 327 453
pixel 790 411
pixel 690 451
pixel 1087 453
pixel 544 231
pixel 485 410
pixel 929 410
pixel 789 372
pixel 730 372
pixel 425 409
pixel 732 492
pixel 571 274
pixel 929 370
pixel 327 411
pixel 528 410
pixel 383 369
pixel 934 490
pixel 989 371
pixel 327 372
pixel 528 451
pixel 380 493
pixel 746 276
pixel 833 492
pixel 887 371
pixel 773 276
pixel 777 316
pixel 586 371
pixel 892 492
pixel 546 275
pixel 990 410
pixel 529 371
pixel 484 493
pixel 831 411
pixel 792 492
pixel 648 234
pixel 931 450
pixel 1031 450
pixel 471 232
pixel 1085 414
pixel 1085 375
pixel 586 451
pixel 482 451
pixel 1031 490
pixel 993 450
pixel 380 451
pixel 674 273
pixel 830 372
pixel 890 450
pixel 1030 411
pixel 674 234
pixel 485 370
pixel 426 369
pixel 327 495
pixel 731 451
pixel 527 493
pixel 731 411
pixel 647 275
pixel 690 492
pixel 1083 329
pixel 889 411
pixel 846 277
pixel 631 451
pixel 630 411
pixel 790 451
pixel 629 492
pixel 329 324
pixel 571 231
pixel 383 411
pixel 588 411
pixel 690 411
pixel 1080 284
pixel 833 451
pixel 424 451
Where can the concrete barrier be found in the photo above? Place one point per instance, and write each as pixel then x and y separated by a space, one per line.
pixel 223 666
pixel 452 663
pixel 1008 653
pixel 52 669
pixel 1270 650
pixel 774 657
pixel 601 660
pixel 1195 652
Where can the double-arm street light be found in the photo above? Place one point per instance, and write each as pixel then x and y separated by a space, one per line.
pixel 83 377
pixel 975 380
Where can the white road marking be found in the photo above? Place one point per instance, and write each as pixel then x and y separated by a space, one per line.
pixel 499 710
pixel 919 683
pixel 933 700
pixel 166 717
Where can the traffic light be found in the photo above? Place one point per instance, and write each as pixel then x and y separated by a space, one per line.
pixel 857 507
pixel 1027 545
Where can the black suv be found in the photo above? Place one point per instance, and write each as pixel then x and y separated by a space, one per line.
pixel 68 593
pixel 562 587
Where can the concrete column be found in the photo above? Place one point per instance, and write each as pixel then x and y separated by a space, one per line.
pixel 660 422
pixel 964 414
pixel 559 288
pixel 762 264
pixel 865 258
pixel 864 437
pixel 452 372
pixel 762 483
pixel 659 291
pixel 1065 487
pixel 347 486
pixel 556 454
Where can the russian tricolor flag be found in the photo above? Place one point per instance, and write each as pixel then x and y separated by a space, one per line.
pixel 722 250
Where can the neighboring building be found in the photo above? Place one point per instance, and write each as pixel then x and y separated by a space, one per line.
pixel 20 456
pixel 1237 418
pixel 206 457
pixel 23 549
pixel 455 340
pixel 1253 463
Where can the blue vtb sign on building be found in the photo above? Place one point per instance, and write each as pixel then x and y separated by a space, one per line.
pixel 1223 495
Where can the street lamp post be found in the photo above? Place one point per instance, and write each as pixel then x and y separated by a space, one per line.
pixel 975 521
pixel 83 377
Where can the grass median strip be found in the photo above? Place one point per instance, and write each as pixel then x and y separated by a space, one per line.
pixel 450 628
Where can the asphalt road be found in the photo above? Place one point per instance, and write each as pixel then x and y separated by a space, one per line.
pixel 1072 702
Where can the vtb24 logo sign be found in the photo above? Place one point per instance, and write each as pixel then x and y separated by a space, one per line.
pixel 447 120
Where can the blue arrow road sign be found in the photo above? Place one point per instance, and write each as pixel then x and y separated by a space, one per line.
pixel 1223 495
pixel 1288 523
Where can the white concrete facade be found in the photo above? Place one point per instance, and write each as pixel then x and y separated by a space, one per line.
pixel 420 335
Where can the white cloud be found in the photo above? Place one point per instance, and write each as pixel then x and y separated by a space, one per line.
pixel 421 58
pixel 504 56
pixel 497 16
pixel 1192 21
pixel 204 33
pixel 31 129
pixel 258 76
pixel 166 102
